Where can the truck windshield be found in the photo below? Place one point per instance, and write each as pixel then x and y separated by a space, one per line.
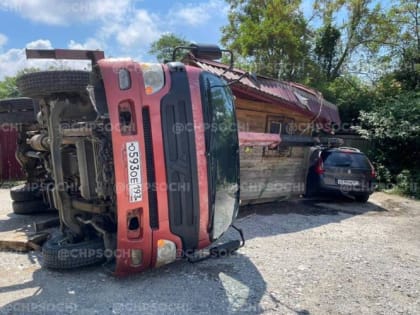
pixel 222 152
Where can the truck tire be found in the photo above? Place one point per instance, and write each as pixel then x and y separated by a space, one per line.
pixel 23 193
pixel 45 83
pixel 57 255
pixel 29 207
pixel 17 110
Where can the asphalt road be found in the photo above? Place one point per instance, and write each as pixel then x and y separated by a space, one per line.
pixel 301 257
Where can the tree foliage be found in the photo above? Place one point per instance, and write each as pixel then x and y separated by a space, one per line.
pixel 272 34
pixel 364 31
pixel 326 46
pixel 393 127
pixel 164 46
pixel 407 18
pixel 8 88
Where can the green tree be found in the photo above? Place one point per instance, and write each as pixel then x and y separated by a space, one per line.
pixel 392 125
pixel 8 88
pixel 272 34
pixel 326 45
pixel 351 96
pixel 164 46
pixel 365 31
pixel 406 15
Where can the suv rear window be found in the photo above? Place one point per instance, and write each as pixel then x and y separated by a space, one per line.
pixel 345 159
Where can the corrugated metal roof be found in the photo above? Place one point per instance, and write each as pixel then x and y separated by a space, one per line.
pixel 293 95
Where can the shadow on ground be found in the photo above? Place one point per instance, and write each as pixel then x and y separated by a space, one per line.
pixel 230 285
pixel 292 216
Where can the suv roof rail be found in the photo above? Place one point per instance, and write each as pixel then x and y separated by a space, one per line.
pixel 331 142
pixel 349 148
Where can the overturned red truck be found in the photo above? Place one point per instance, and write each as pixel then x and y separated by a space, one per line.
pixel 141 160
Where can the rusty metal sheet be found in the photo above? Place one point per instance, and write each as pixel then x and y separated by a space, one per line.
pixel 293 95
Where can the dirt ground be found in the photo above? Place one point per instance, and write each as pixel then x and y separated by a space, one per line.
pixel 301 257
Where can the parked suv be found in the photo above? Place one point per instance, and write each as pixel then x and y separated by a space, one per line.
pixel 345 171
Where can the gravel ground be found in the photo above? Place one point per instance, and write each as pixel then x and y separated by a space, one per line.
pixel 301 257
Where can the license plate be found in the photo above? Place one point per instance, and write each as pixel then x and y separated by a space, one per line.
pixel 347 182
pixel 134 171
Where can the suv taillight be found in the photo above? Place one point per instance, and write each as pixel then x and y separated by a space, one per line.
pixel 319 168
pixel 372 172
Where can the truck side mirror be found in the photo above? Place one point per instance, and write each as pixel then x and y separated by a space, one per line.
pixel 205 51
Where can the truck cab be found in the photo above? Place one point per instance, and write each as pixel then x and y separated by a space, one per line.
pixel 142 159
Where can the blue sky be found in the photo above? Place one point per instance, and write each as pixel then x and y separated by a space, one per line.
pixel 122 28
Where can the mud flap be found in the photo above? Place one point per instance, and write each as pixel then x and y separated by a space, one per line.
pixel 222 250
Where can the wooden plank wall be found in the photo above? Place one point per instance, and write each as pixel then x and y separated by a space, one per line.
pixel 265 178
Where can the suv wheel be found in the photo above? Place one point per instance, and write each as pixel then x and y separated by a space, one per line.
pixel 362 198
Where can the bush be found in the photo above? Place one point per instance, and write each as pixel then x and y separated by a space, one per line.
pixel 407 184
pixel 393 127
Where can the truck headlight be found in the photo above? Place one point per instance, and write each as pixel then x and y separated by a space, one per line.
pixel 154 77
pixel 166 252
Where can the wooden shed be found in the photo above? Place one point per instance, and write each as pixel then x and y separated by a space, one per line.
pixel 265 105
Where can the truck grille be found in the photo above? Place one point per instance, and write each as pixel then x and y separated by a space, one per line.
pixel 150 164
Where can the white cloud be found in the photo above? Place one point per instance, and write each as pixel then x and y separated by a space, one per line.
pixel 3 39
pixel 89 44
pixel 198 14
pixel 122 27
pixel 63 12
pixel 14 60
pixel 140 32
pixel 40 44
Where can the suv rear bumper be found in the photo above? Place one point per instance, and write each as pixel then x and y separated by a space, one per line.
pixel 344 189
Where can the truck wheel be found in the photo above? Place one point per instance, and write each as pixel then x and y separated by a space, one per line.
pixel 362 198
pixel 17 110
pixel 29 207
pixel 45 83
pixel 23 193
pixel 57 253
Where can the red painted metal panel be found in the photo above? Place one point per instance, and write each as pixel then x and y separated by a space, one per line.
pixel 259 139
pixel 9 167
